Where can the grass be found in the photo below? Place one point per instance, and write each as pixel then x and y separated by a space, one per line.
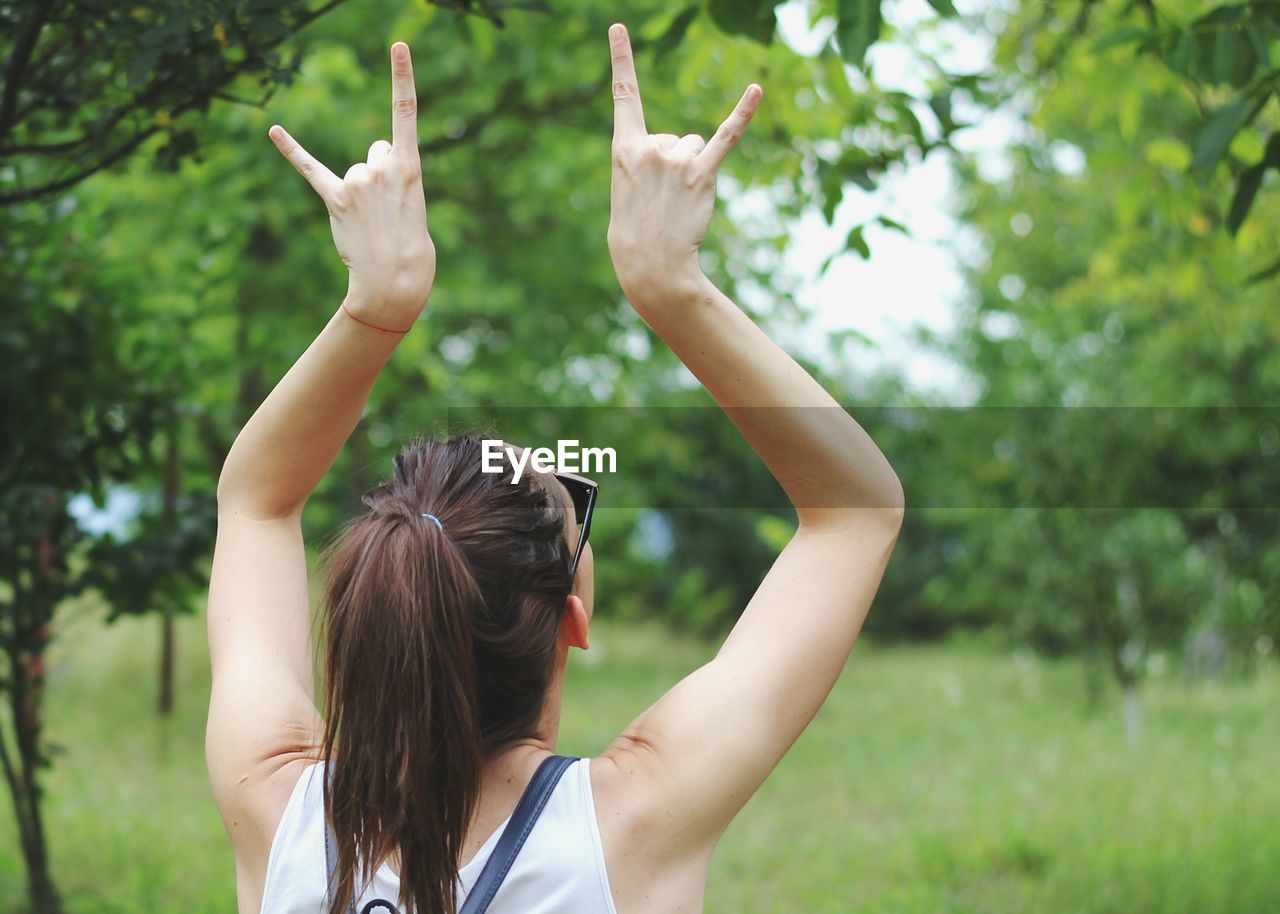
pixel 939 779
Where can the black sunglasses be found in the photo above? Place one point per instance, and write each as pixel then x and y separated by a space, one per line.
pixel 583 491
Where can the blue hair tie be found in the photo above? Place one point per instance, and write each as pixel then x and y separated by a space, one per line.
pixel 436 519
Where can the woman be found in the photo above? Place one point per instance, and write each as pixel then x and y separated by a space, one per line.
pixel 453 601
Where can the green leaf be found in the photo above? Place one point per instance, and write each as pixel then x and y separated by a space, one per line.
pixel 156 37
pixel 1272 155
pixel 857 28
pixel 1260 50
pixel 1246 190
pixel 1216 133
pixel 675 32
pixel 755 20
pixel 1227 14
pixel 1264 274
pixel 1227 57
pixel 861 177
pixel 907 118
pixel 1124 35
pixel 1177 55
pixel 940 104
pixel 943 7
pixel 269 27
pixel 832 195
pixel 856 242
pixel 141 67
pixel 1168 152
pixel 831 178
pixel 894 225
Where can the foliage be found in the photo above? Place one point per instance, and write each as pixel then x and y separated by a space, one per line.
pixel 77 414
pixel 87 82
pixel 1222 57
pixel 1225 56
pixel 163 297
pixel 1120 353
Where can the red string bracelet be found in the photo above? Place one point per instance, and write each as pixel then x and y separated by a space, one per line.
pixel 369 325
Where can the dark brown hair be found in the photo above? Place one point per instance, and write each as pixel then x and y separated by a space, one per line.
pixel 440 646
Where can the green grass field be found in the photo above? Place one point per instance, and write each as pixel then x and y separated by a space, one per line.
pixel 936 779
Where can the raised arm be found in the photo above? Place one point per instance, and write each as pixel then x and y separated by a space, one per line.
pixel 704 748
pixel 261 710
pixel 379 218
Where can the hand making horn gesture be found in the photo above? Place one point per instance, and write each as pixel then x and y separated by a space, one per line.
pixel 664 188
pixel 379 213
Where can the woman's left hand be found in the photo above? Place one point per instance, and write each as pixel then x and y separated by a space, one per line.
pixel 378 211
pixel 663 189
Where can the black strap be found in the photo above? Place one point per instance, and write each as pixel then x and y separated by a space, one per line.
pixel 510 842
pixel 513 836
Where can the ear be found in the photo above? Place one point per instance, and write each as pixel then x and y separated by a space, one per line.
pixel 573 629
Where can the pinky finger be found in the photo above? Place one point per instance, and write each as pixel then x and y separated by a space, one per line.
pixel 727 136
pixel 325 182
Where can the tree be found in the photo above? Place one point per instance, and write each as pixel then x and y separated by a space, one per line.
pixel 85 84
pixel 60 373
pixel 1220 59
pixel 1119 332
pixel 166 273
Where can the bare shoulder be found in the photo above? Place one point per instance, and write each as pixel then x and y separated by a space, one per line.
pixel 648 870
pixel 252 809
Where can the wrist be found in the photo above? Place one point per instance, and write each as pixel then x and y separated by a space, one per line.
pixel 671 289
pixel 380 315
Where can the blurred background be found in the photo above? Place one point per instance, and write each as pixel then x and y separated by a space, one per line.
pixel 1032 245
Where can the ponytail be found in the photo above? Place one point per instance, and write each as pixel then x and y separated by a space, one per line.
pixel 416 606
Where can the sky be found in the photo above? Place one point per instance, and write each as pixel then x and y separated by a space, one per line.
pixel 910 281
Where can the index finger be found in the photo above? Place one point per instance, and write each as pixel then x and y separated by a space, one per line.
pixel 404 101
pixel 628 116
pixel 727 136
pixel 325 182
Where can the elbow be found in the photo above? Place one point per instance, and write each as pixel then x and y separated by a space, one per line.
pixel 234 502
pixel 895 501
pixel 224 493
pixel 877 509
pixel 239 496
pixel 887 509
pixel 230 479
pixel 230 493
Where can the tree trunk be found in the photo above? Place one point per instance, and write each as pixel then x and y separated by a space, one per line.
pixel 165 704
pixel 1094 671
pixel 25 650
pixel 1130 707
pixel 1132 714
pixel 169 507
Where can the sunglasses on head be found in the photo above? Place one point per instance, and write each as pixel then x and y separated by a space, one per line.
pixel 583 491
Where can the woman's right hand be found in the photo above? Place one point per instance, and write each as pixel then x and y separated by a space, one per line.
pixel 378 211
pixel 663 190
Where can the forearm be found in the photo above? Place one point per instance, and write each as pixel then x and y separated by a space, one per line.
pixel 288 445
pixel 825 462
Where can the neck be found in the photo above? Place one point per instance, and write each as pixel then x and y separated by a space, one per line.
pixel 543 739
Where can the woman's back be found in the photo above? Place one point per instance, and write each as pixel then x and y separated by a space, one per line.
pixel 560 869
pixel 453 601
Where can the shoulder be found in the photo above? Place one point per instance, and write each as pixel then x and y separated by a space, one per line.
pixel 650 867
pixel 252 809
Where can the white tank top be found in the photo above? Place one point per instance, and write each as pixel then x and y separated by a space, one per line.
pixel 560 869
